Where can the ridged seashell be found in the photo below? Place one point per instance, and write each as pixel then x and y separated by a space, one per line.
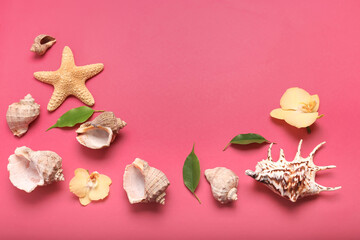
pixel 291 180
pixel 100 132
pixel 223 183
pixel 42 43
pixel 19 115
pixel 143 183
pixel 29 169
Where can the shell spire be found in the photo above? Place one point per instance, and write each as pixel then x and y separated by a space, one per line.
pixel 292 180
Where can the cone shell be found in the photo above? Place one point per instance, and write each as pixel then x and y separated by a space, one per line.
pixel 224 183
pixel 42 43
pixel 20 115
pixel 29 169
pixel 100 132
pixel 292 180
pixel 143 183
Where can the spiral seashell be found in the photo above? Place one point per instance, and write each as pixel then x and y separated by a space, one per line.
pixel 143 183
pixel 224 183
pixel 20 115
pixel 42 43
pixel 29 169
pixel 100 132
pixel 292 180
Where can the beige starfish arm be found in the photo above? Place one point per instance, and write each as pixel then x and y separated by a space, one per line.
pixel 88 71
pixel 49 77
pixel 57 98
pixel 84 95
pixel 67 60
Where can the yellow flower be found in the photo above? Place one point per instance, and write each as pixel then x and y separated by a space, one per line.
pixel 89 187
pixel 298 108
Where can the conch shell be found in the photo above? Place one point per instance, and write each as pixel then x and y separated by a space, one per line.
pixel 42 43
pixel 143 183
pixel 223 183
pixel 291 180
pixel 100 132
pixel 29 169
pixel 20 115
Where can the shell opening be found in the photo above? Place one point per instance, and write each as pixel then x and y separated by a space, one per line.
pixel 23 173
pixel 95 137
pixel 134 184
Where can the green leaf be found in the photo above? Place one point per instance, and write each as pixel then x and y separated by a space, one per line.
pixel 245 139
pixel 73 117
pixel 191 172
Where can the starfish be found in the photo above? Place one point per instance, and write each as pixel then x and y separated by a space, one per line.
pixel 69 79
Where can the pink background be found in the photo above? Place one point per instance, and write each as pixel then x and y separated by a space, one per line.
pixel 180 72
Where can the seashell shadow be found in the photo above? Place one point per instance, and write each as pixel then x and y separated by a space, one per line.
pixel 296 133
pixel 263 190
pixel 101 154
pixel 146 207
pixel 39 195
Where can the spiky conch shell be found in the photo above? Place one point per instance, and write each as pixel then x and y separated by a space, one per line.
pixel 143 183
pixel 100 132
pixel 292 180
pixel 29 169
pixel 42 43
pixel 19 115
pixel 224 183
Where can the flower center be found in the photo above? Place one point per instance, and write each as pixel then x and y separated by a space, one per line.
pixel 93 179
pixel 307 107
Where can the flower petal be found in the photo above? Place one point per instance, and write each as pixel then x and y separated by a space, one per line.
pixel 277 113
pixel 317 100
pixel 85 200
pixel 102 189
pixel 300 119
pixel 293 98
pixel 78 184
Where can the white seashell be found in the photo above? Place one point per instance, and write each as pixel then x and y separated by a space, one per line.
pixel 20 115
pixel 291 180
pixel 143 183
pixel 100 132
pixel 29 169
pixel 223 183
pixel 42 43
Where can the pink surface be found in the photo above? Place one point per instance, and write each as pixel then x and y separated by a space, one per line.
pixel 181 72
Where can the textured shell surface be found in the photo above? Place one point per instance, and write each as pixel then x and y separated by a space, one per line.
pixel 42 43
pixel 100 132
pixel 19 115
pixel 143 183
pixel 292 180
pixel 224 183
pixel 29 169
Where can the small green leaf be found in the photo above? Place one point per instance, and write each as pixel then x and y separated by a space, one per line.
pixel 73 117
pixel 245 139
pixel 191 172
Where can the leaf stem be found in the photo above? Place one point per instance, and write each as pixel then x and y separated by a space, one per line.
pixel 99 110
pixel 308 130
pixel 226 146
pixel 197 198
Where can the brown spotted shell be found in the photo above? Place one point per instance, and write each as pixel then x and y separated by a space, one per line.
pixel 292 180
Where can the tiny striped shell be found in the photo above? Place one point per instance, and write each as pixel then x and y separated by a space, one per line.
pixel 143 183
pixel 42 43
